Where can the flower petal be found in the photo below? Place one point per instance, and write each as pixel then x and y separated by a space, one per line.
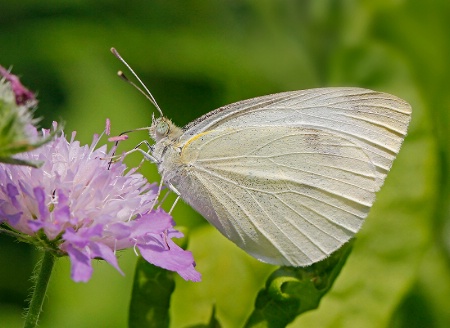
pixel 39 195
pixel 154 222
pixel 81 267
pixel 100 250
pixel 172 258
pixel 6 215
pixel 82 237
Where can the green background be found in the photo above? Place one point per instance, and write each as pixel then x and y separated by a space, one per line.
pixel 199 55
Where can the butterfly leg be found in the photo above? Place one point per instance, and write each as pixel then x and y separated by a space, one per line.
pixel 147 154
pixel 172 188
pixel 146 143
pixel 165 196
pixel 159 191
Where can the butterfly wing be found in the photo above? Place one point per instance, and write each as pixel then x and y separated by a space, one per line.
pixel 290 177
pixel 375 121
pixel 287 196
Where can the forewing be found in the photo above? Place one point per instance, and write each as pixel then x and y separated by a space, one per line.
pixel 286 195
pixel 375 121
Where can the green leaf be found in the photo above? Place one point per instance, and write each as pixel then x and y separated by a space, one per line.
pixel 292 291
pixel 150 299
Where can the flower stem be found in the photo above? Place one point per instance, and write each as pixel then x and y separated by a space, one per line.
pixel 43 273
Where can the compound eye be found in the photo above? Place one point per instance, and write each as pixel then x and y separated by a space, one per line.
pixel 162 128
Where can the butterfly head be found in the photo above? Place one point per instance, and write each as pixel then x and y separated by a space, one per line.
pixel 162 128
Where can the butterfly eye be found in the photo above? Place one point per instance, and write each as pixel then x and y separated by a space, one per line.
pixel 162 128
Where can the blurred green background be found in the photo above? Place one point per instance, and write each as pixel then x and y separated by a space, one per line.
pixel 199 55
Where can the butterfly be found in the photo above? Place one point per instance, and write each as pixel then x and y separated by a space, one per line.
pixel 288 177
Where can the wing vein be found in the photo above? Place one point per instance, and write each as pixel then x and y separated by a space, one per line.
pixel 308 237
pixel 281 250
pixel 283 180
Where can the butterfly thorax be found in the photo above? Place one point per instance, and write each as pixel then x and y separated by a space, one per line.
pixel 165 151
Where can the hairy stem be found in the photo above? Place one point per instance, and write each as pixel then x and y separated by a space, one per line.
pixel 43 273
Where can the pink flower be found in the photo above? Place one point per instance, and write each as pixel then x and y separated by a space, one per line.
pixel 17 131
pixel 23 95
pixel 74 205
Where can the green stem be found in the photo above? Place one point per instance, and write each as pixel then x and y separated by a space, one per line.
pixel 43 273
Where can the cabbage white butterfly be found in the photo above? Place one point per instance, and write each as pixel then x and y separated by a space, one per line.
pixel 288 177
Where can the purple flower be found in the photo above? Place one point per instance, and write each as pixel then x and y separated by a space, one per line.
pixel 74 205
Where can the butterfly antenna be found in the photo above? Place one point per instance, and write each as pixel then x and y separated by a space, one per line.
pixel 147 92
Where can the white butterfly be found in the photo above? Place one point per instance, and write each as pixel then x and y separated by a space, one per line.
pixel 288 177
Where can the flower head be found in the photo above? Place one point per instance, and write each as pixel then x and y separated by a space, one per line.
pixel 23 96
pixel 17 132
pixel 78 205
